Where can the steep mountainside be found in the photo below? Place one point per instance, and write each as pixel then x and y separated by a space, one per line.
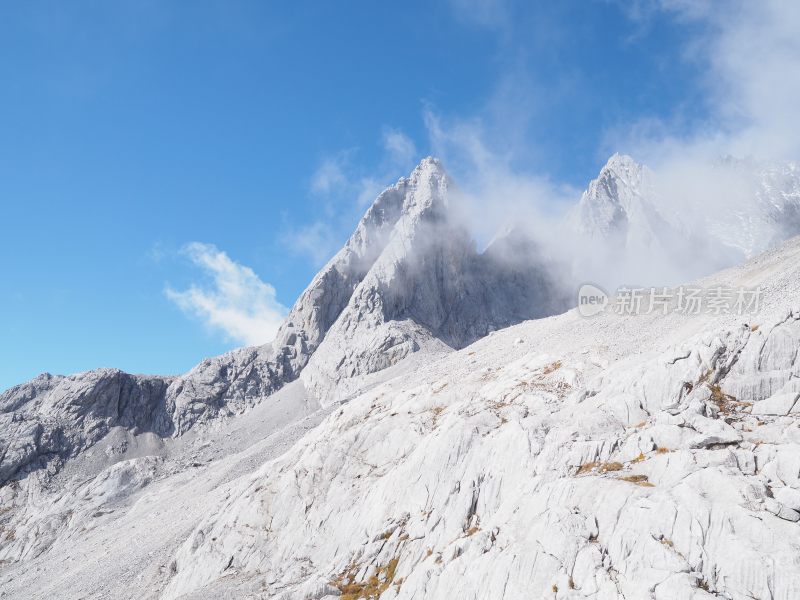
pixel 429 289
pixel 408 279
pixel 617 457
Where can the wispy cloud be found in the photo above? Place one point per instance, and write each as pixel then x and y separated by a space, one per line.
pixel 745 52
pixel 343 189
pixel 317 240
pixel 400 149
pixel 492 14
pixel 749 53
pixel 235 302
pixel 494 195
pixel 328 176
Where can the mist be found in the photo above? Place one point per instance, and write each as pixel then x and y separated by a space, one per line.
pixel 714 195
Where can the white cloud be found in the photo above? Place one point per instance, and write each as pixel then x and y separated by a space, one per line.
pixel 750 54
pixel 492 14
pixel 317 240
pixel 492 195
pixel 400 149
pixel 368 190
pixel 344 191
pixel 328 176
pixel 237 303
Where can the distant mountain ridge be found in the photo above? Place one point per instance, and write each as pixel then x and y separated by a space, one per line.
pixel 629 211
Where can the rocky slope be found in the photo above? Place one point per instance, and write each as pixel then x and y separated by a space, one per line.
pixel 613 457
pixel 619 457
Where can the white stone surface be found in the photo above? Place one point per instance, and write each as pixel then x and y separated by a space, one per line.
pixel 475 477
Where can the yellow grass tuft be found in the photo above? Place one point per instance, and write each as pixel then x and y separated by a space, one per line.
pixel 637 479
pixel 605 467
pixel 553 366
pixel 372 588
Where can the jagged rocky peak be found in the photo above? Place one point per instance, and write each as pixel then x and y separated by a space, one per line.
pixel 428 290
pixel 743 204
pixel 619 179
pixel 606 205
pixel 317 308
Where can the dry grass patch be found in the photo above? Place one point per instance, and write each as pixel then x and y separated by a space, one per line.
pixel 440 388
pixel 372 588
pixel 637 479
pixel 725 403
pixel 498 404
pixel 437 412
pixel 9 535
pixel 553 366
pixel 600 467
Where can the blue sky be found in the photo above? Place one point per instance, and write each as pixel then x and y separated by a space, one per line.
pixel 258 130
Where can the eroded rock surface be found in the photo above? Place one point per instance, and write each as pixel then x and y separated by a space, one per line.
pixel 617 457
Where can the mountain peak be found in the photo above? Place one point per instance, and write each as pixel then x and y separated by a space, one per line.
pixel 620 171
pixel 428 168
pixel 423 191
pixel 621 162
pixel 604 206
pixel 429 163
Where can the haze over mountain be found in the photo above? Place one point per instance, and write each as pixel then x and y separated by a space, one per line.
pixel 636 226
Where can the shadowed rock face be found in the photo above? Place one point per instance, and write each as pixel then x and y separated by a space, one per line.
pixel 429 289
pixel 408 279
pixel 56 417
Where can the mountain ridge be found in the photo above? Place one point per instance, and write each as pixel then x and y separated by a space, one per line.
pixel 384 294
